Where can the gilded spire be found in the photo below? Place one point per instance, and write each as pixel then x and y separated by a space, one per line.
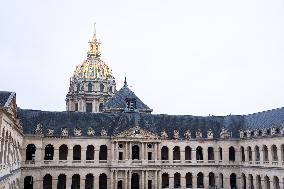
pixel 125 82
pixel 94 45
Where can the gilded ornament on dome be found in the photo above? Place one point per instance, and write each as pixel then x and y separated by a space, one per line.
pixel 187 134
pixel 176 134
pixel 210 134
pixel 38 129
pixel 164 134
pixel 103 132
pixel 64 131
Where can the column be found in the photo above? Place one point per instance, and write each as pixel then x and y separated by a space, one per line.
pixel 194 181
pixel 261 158
pixel 129 179
pixel 112 151
pixel 54 181
pixel 206 181
pixel 125 180
pixel 130 151
pixel 145 152
pixel 126 151
pixel 155 152
pixel 146 179
pixel 160 179
pixel 182 181
pixel 253 155
pixel 83 154
pixel 205 154
pixel 193 155
pixel 68 181
pixel 142 151
pixel 182 155
pixel 279 154
pixel 159 152
pixel 115 179
pixel 116 151
pixel 70 155
pixel 111 178
pixel 171 181
pixel 142 179
pixel 82 181
pixel 155 179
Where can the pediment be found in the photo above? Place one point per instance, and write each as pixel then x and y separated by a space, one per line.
pixel 137 132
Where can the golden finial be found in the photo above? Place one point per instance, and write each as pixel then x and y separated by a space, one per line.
pixel 94 45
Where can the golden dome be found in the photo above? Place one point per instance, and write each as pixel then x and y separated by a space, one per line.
pixel 93 68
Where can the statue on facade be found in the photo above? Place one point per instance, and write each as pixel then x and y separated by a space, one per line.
pixel 264 132
pixel 242 134
pixel 248 133
pixel 50 131
pixel 176 134
pixel 256 133
pixel 38 129
pixel 77 131
pixel 273 130
pixel 64 131
pixel 103 132
pixel 282 129
pixel 198 134
pixel 91 131
pixel 225 133
pixel 187 134
pixel 210 134
pixel 164 134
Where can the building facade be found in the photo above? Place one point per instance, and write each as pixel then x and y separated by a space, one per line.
pixel 108 139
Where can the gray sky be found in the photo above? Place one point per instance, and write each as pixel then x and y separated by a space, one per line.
pixel 180 57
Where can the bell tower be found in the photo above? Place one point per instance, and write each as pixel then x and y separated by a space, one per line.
pixel 92 83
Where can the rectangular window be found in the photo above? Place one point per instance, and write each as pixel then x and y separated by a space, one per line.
pixel 120 156
pixel 76 107
pixel 149 155
pixel 89 107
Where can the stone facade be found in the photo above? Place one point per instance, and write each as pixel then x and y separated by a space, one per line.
pixel 127 147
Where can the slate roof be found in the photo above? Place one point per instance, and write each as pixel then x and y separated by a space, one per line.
pixel 118 100
pixel 115 123
pixel 4 97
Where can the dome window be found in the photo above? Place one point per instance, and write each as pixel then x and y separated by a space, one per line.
pixel 130 104
pixel 90 87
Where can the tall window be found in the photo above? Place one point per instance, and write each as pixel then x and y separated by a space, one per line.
pixel 102 87
pixel 76 107
pixel 89 107
pixel 90 87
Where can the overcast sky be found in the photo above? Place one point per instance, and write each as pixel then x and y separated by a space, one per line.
pixel 180 57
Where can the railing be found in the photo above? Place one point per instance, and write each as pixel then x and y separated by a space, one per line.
pixel 176 161
pixel 76 161
pixel 211 161
pixel 102 161
pixel 90 161
pixel 47 161
pixel 199 161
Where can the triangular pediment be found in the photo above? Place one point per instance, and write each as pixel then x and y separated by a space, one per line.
pixel 136 132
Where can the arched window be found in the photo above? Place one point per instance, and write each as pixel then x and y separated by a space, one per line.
pixel 75 182
pixel 135 181
pixel 249 153
pixel 102 181
pixel 30 152
pixel 165 180
pixel 200 180
pixel 232 154
pixel 77 152
pixel 282 152
pixel 274 153
pixel 265 153
pixel 176 180
pixel 90 152
pixel 28 182
pixel 61 183
pixel 49 152
pixel 257 154
pixel 211 179
pixel 250 181
pixel 176 153
pixel 258 182
pixel 90 87
pixel 103 152
pixel 188 180
pixel 187 153
pixel 199 153
pixel 210 153
pixel 220 154
pixel 63 152
pixel 47 182
pixel 233 181
pixel 135 152
pixel 243 154
pixel 102 87
pixel 276 184
pixel 165 153
pixel 266 182
pixel 119 184
pixel 89 182
pixel 221 180
pixel 244 181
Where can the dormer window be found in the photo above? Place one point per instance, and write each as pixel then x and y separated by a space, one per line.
pixel 130 104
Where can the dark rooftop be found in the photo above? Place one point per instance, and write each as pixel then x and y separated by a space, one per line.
pixel 4 97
